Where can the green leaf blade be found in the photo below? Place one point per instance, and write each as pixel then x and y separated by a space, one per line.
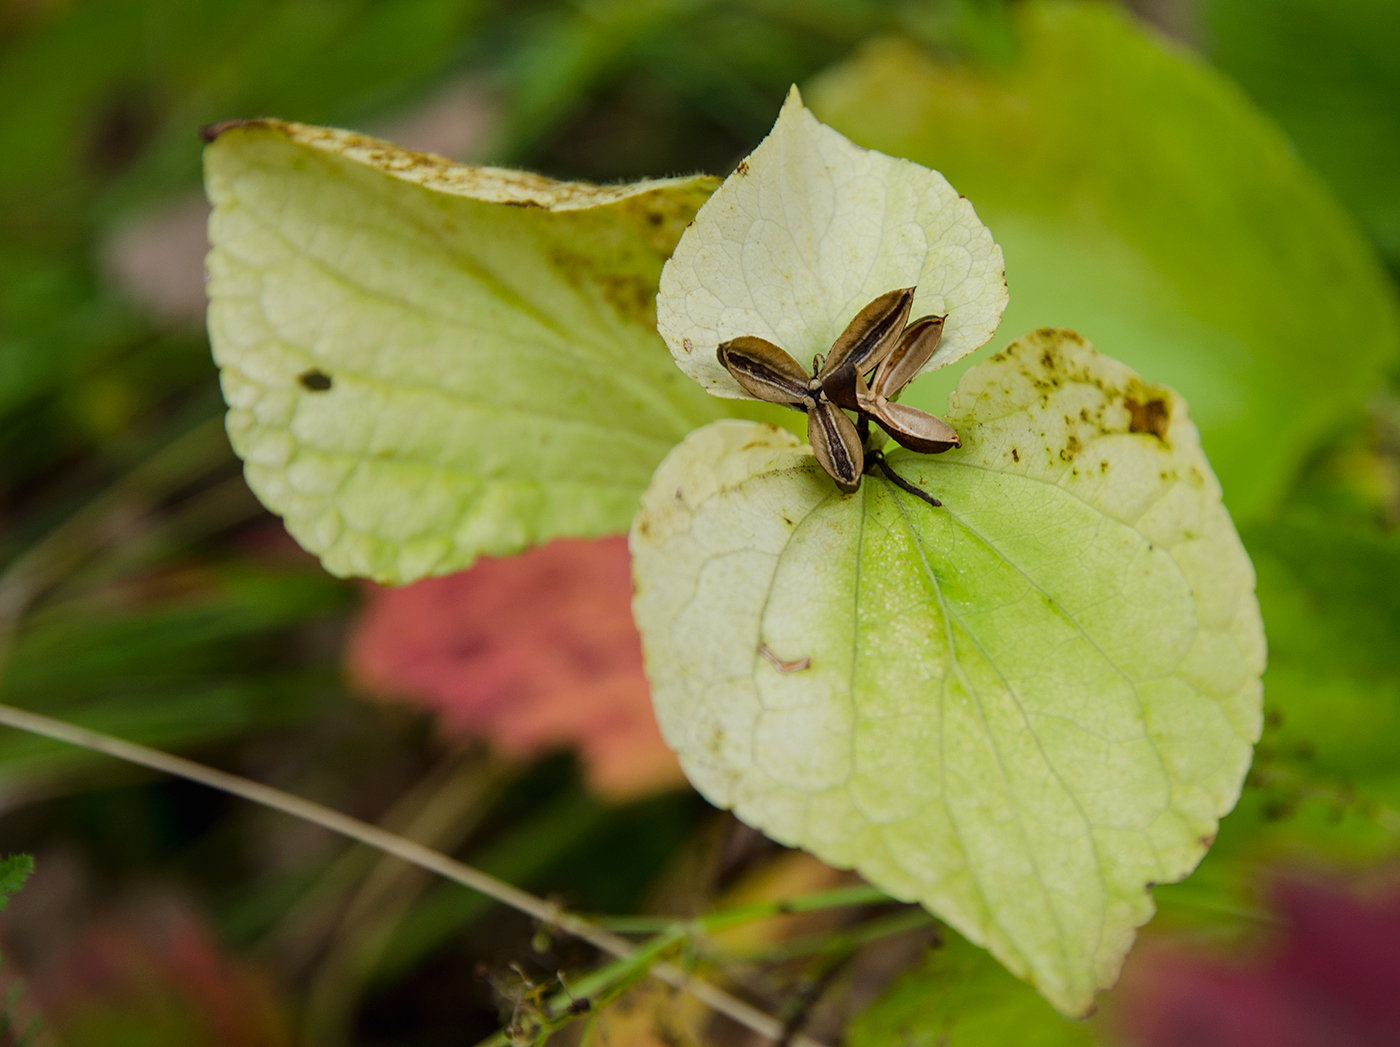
pixel 1020 709
pixel 959 995
pixel 483 340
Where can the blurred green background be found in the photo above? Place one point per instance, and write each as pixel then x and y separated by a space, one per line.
pixel 1205 188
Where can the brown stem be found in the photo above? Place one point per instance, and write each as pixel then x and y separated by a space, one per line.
pixel 877 459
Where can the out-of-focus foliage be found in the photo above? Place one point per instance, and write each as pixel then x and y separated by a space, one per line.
pixel 1329 72
pixel 141 594
pixel 156 977
pixel 1323 974
pixel 960 995
pixel 181 659
pixel 115 129
pixel 14 870
pixel 533 652
pixel 1332 588
pixel 1140 201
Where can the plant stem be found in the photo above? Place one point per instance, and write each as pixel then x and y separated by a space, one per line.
pixel 546 912
pixel 606 980
pixel 838 898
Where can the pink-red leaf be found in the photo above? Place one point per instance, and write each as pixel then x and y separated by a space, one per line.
pixel 533 652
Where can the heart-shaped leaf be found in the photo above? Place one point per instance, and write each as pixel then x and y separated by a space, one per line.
pixel 808 230
pixel 1020 709
pixel 426 362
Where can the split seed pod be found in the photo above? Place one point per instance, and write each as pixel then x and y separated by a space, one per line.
pixel 766 371
pixel 836 444
pixel 865 342
pixel 907 426
pixel 769 373
pixel 877 339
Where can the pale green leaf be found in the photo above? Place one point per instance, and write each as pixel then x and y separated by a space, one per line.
pixel 1143 201
pixel 960 996
pixel 426 362
pixel 808 230
pixel 1020 709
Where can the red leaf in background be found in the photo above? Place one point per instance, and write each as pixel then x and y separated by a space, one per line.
pixel 1332 979
pixel 155 976
pixel 532 652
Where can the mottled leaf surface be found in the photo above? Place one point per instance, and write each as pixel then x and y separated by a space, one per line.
pixel 1141 200
pixel 426 362
pixel 1020 709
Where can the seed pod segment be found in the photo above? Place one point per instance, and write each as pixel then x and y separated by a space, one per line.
pixel 766 371
pixel 909 427
pixel 866 341
pixel 836 444
pixel 904 361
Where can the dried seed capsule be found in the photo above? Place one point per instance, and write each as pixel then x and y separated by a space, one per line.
pixel 914 429
pixel 914 348
pixel 765 371
pixel 909 427
pixel 864 343
pixel 876 339
pixel 836 444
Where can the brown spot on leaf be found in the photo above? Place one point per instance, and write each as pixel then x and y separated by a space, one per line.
pixel 1071 448
pixel 743 168
pixel 687 345
pixel 1015 455
pixel 315 380
pixel 1151 417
